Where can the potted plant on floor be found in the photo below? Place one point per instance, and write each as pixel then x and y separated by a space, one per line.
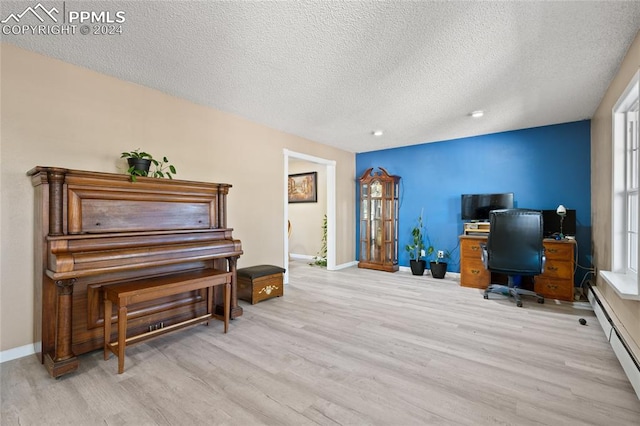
pixel 416 249
pixel 439 265
pixel 321 258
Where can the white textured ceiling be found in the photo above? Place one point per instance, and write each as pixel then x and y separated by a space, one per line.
pixel 333 71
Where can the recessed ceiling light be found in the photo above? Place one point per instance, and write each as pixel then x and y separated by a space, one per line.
pixel 477 114
pixel 377 133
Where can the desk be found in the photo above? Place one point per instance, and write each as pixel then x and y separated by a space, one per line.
pixel 555 283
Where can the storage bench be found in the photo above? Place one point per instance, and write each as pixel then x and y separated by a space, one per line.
pixel 260 282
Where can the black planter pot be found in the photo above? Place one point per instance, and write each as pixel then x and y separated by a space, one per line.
pixel 438 270
pixel 142 165
pixel 418 266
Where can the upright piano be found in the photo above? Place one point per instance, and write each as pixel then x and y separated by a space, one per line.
pixel 97 229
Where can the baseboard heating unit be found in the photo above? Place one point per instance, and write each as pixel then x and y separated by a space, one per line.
pixel 615 334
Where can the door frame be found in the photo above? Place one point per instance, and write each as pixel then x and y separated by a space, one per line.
pixel 331 206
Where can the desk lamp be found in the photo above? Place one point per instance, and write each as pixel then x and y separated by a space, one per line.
pixel 562 212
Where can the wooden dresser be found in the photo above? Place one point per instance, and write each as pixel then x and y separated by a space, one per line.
pixel 555 283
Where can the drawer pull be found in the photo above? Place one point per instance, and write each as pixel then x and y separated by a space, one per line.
pixel 552 250
pixel 475 271
pixel 552 268
pixel 475 248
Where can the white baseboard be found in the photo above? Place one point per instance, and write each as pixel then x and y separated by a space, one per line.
pixel 448 275
pixel 630 368
pixel 612 331
pixel 15 353
pixel 308 258
pixel 346 265
pixel 294 256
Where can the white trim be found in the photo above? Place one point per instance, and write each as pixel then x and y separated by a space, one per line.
pixel 15 353
pixel 346 265
pixel 600 315
pixel 624 101
pixel 309 258
pixel 625 285
pixel 612 328
pixel 449 276
pixel 285 218
pixel 305 257
pixel 629 367
pixel 331 207
pixel 331 211
pixel 623 280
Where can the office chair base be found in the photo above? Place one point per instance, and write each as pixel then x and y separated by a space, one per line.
pixel 514 292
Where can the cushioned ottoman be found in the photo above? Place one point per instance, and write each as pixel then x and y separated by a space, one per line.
pixel 261 282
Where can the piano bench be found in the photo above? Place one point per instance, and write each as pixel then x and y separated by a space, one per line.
pixel 261 282
pixel 124 294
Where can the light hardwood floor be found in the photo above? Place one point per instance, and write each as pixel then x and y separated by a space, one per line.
pixel 350 347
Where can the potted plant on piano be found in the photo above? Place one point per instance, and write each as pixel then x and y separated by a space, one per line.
pixel 140 164
pixel 416 249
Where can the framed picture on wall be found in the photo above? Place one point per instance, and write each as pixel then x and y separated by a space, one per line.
pixel 303 188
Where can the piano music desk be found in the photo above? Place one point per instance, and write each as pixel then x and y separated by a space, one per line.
pixel 144 290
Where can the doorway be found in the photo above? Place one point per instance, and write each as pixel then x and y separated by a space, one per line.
pixel 330 174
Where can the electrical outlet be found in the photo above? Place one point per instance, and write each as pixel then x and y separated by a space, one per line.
pixel 440 254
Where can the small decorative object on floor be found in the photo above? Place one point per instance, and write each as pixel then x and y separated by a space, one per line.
pixel 261 282
pixel 582 321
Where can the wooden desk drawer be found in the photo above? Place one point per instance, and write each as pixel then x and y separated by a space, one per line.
pixel 473 274
pixel 554 288
pixel 558 269
pixel 471 249
pixel 558 250
pixel 472 271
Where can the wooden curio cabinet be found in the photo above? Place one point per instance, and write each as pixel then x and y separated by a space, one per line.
pixel 379 220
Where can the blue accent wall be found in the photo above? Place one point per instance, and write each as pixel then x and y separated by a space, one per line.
pixel 542 166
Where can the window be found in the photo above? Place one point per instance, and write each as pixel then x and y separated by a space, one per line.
pixel 632 188
pixel 625 243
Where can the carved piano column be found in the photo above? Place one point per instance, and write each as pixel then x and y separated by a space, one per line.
pixel 56 195
pixel 222 206
pixel 63 360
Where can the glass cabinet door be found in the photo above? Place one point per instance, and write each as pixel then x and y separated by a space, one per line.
pixel 378 239
pixel 376 230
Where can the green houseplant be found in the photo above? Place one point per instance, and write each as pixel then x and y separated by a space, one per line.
pixel 321 258
pixel 139 162
pixel 416 249
pixel 140 165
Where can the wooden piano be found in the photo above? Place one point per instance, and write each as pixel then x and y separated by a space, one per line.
pixel 100 229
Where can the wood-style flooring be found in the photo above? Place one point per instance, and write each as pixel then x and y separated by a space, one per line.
pixel 350 347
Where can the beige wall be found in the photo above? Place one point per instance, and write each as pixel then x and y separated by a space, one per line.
pixel 306 218
pixel 58 114
pixel 628 311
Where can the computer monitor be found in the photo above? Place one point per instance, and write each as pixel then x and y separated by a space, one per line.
pixel 476 207
pixel 552 223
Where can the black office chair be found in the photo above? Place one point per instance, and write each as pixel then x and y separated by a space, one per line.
pixel 514 247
